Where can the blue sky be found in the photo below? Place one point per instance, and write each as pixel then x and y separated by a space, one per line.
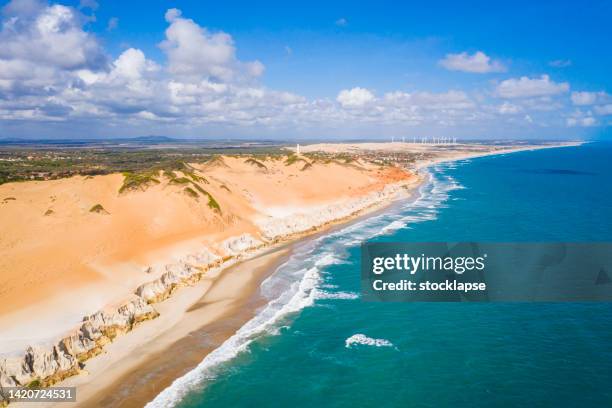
pixel 320 69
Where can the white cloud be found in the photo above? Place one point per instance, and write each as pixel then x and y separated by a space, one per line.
pixel 132 64
pixel 172 14
pixel 22 7
pixel 507 108
pixel 478 62
pixel 525 87
pixel 581 119
pixel 589 98
pixel 583 122
pixel 54 36
pixel 112 24
pixel 560 63
pixel 195 52
pixel 603 109
pixel 354 97
pixel 451 100
pixel 341 22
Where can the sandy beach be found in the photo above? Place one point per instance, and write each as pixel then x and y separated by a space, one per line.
pixel 137 366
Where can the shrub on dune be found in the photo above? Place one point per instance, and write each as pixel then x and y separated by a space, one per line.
pixel 98 209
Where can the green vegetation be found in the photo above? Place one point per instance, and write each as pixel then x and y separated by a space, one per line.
pixel 34 384
pixel 216 161
pixel 190 192
pixel 98 209
pixel 196 178
pixel 180 180
pixel 256 163
pixel 200 189
pixel 212 203
pixel 22 162
pixel 292 159
pixel 138 181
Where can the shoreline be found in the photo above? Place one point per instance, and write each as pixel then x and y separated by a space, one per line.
pixel 104 373
pixel 139 380
pixel 136 378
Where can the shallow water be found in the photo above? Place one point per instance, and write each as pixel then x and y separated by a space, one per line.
pixel 317 344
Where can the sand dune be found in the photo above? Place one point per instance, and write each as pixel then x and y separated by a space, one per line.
pixel 72 246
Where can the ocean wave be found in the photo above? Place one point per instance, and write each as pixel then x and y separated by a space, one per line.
pixel 320 294
pixel 329 259
pixel 362 339
pixel 291 301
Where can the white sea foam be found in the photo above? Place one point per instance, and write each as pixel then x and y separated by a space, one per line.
pixel 301 296
pixel 329 259
pixel 362 339
pixel 321 294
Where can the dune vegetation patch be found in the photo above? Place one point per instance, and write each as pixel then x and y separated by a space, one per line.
pixel 98 209
pixel 49 212
pixel 138 181
pixel 256 163
pixel 294 158
pixel 216 161
pixel 212 203
pixel 180 180
pixel 191 192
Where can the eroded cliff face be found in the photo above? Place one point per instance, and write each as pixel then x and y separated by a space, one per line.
pixel 44 365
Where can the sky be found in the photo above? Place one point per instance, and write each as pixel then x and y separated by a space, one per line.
pixel 316 70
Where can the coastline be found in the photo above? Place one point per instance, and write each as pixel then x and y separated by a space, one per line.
pixel 145 356
pixel 433 162
pixel 197 307
pixel 203 326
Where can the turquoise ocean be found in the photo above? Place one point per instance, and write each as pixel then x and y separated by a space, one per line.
pixel 317 344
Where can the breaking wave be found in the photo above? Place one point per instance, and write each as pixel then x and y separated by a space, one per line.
pixel 362 339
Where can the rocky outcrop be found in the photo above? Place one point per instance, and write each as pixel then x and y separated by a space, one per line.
pixel 176 275
pixel 237 245
pixel 46 365
pixel 190 270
